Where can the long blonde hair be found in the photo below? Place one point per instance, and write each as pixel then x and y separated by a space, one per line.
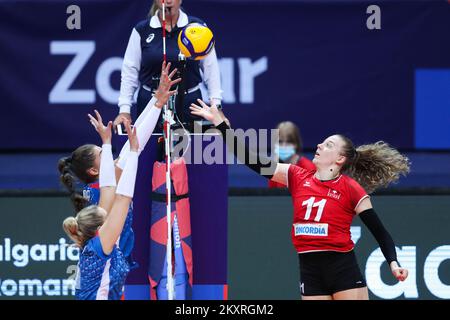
pixel 153 9
pixel 374 165
pixel 84 226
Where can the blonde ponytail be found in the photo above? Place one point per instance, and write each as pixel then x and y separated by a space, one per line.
pixel 70 226
pixel 84 226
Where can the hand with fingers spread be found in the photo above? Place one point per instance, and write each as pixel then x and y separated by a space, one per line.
pixel 212 113
pixel 132 136
pixel 163 92
pixel 103 131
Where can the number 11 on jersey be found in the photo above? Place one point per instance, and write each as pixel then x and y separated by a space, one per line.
pixel 311 204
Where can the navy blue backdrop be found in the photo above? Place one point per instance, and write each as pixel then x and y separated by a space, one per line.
pixel 312 62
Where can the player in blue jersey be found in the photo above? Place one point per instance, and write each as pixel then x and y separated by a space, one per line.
pixel 85 162
pixel 102 268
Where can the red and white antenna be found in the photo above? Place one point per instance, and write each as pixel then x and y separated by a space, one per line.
pixel 167 138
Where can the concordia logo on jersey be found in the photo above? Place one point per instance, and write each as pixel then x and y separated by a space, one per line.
pixel 311 229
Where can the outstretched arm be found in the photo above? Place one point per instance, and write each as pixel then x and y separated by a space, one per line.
pixel 384 239
pixel 146 122
pixel 262 165
pixel 107 179
pixel 110 231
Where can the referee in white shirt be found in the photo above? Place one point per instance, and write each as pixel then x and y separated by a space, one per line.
pixel 141 71
pixel 143 58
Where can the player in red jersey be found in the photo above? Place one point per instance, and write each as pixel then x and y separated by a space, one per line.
pixel 325 202
pixel 289 149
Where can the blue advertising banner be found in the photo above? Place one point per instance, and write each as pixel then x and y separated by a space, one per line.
pixel 329 67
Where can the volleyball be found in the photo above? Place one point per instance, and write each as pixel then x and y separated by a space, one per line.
pixel 196 41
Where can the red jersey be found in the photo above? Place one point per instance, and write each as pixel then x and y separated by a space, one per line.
pixel 323 211
pixel 303 162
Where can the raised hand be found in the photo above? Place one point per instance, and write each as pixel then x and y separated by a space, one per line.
pixel 103 131
pixel 132 136
pixel 120 119
pixel 206 112
pixel 163 92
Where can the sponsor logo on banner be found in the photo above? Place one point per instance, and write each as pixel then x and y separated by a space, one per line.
pixel 311 229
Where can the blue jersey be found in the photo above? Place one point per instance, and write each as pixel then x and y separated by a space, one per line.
pixel 91 192
pixel 100 276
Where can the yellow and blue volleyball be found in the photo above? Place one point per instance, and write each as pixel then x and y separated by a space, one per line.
pixel 195 41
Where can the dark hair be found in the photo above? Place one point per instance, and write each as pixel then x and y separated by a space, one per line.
pixel 75 168
pixel 293 135
pixel 373 165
